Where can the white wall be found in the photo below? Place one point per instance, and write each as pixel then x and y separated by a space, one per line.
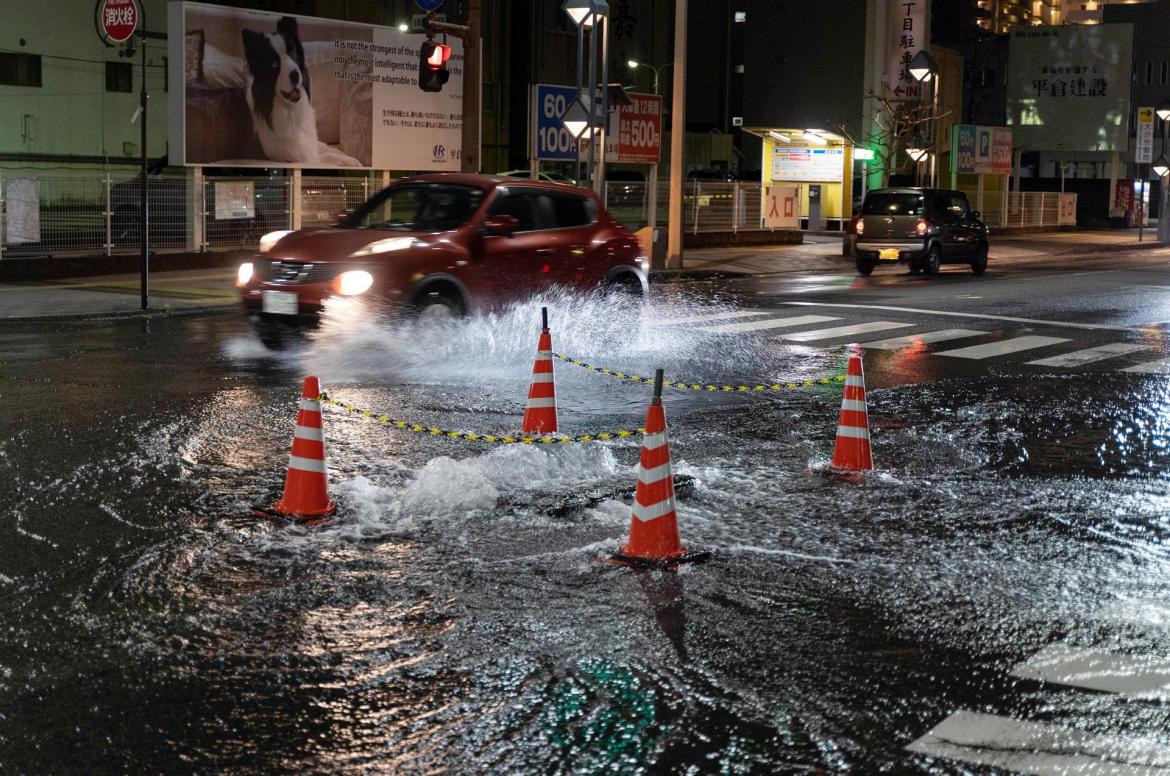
pixel 71 112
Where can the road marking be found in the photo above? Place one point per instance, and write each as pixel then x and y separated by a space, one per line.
pixel 1136 612
pixel 1136 676
pixel 1042 749
pixel 771 323
pixel 1067 324
pixel 1002 348
pixel 1159 367
pixel 909 340
pixel 844 331
pixel 716 317
pixel 1091 355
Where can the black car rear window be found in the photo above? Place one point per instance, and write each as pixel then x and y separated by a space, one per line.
pixel 904 204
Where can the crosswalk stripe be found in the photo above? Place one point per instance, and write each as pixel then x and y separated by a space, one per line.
pixel 716 316
pixel 1159 367
pixel 844 331
pixel 1041 748
pixel 1091 355
pixel 1136 676
pixel 1002 348
pixel 771 323
pixel 1148 613
pixel 942 335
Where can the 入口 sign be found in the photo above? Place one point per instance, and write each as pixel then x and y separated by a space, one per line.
pixel 780 210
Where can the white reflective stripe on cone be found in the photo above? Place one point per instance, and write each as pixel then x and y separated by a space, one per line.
pixel 541 403
pixel 308 432
pixel 653 511
pixel 657 474
pixel 853 432
pixel 853 404
pixel 312 405
pixel 654 441
pixel 544 355
pixel 542 377
pixel 854 381
pixel 314 465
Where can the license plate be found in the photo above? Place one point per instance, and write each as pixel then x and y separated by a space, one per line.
pixel 280 303
pixel 888 253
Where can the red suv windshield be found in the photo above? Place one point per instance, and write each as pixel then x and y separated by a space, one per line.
pixel 418 207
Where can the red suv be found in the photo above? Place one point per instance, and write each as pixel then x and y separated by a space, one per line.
pixel 443 245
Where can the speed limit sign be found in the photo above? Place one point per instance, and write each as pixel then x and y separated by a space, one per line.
pixel 116 20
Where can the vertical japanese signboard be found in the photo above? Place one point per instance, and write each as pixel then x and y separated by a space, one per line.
pixel 1069 86
pixel 1144 153
pixel 907 33
pixel 640 129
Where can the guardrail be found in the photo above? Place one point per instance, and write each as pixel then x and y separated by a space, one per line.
pixel 707 206
pixel 1025 209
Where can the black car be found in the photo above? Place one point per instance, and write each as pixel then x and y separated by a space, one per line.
pixel 924 228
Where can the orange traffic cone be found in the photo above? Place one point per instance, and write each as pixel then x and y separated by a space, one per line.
pixel 306 497
pixel 852 450
pixel 654 538
pixel 540 414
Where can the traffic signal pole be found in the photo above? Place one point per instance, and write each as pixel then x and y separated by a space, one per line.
pixel 469 34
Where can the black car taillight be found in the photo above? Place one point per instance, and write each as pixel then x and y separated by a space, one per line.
pixel 920 227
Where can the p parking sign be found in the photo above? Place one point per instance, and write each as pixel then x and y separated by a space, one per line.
pixel 552 142
pixel 116 20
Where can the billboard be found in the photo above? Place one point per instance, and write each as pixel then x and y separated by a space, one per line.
pixel 640 129
pixel 981 150
pixel 258 89
pixel 552 142
pixel 1069 86
pixel 807 163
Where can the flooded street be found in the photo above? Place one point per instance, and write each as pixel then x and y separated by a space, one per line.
pixel 455 616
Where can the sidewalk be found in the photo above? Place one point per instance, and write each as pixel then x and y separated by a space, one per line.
pixel 174 292
pixel 823 253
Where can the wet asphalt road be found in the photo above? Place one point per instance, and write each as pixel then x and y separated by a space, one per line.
pixel 1002 581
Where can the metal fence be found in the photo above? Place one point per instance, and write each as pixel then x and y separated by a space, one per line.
pixel 707 206
pixel 1025 209
pixel 42 214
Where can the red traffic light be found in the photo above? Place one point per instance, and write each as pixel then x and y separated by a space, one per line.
pixel 438 56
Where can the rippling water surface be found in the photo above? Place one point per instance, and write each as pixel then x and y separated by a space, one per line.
pixel 454 616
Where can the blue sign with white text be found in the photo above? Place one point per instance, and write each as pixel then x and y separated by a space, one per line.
pixel 429 5
pixel 552 141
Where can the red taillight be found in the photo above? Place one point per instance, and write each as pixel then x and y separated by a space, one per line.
pixel 920 227
pixel 860 228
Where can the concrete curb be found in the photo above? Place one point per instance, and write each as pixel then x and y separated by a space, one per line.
pixel 174 312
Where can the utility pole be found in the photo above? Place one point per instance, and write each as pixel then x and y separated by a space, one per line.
pixel 469 34
pixel 678 139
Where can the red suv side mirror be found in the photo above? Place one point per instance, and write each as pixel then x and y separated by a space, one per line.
pixel 502 225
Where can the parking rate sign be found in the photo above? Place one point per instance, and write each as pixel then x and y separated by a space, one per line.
pixel 551 140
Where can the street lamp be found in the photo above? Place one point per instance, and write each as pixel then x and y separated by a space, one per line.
pixel 634 64
pixel 917 150
pixel 1161 166
pixel 923 68
pixel 585 12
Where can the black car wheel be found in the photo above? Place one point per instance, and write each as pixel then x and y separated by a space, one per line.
pixel 865 264
pixel 933 260
pixel 979 265
pixel 625 287
pixel 438 304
